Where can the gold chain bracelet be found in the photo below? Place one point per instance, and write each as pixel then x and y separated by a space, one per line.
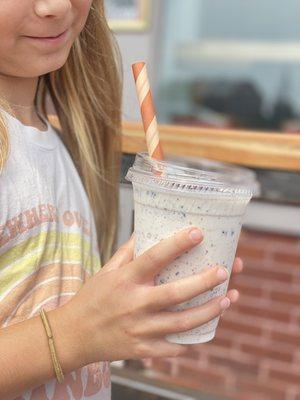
pixel 57 367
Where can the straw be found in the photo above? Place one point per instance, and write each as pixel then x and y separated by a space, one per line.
pixel 147 110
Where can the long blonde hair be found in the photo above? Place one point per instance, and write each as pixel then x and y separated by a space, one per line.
pixel 87 95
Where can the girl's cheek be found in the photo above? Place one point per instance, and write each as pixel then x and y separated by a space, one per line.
pixel 87 4
pixel 82 5
pixel 83 8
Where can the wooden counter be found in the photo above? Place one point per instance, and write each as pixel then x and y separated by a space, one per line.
pixel 254 149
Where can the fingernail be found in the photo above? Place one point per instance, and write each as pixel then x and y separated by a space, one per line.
pixel 222 274
pixel 239 260
pixel 225 303
pixel 236 295
pixel 241 264
pixel 195 235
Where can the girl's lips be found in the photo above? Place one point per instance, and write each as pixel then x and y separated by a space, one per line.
pixel 51 39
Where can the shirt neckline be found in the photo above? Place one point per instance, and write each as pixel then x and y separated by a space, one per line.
pixel 45 139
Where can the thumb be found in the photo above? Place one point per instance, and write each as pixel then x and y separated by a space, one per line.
pixel 122 256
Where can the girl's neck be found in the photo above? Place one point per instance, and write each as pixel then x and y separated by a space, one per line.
pixel 29 117
pixel 19 93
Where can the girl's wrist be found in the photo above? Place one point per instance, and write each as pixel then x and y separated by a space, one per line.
pixel 68 341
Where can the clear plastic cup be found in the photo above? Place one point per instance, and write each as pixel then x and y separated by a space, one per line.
pixel 169 198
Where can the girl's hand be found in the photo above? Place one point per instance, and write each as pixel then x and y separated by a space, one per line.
pixel 119 312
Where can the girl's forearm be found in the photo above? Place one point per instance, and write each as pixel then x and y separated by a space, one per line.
pixel 25 360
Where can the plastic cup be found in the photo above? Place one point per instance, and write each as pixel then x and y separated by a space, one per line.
pixel 169 198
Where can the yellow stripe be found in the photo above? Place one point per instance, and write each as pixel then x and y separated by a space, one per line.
pixel 41 240
pixel 26 257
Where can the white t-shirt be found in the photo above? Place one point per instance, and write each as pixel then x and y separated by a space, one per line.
pixel 48 245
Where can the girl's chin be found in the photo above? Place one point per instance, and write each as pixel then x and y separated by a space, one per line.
pixel 49 66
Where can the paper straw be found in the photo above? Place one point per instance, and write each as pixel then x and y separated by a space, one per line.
pixel 147 110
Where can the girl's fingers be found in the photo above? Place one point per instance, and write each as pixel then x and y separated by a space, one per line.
pixel 147 265
pixel 124 255
pixel 176 292
pixel 233 295
pixel 167 322
pixel 237 266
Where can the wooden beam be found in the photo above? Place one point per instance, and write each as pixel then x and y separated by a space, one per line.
pixel 253 149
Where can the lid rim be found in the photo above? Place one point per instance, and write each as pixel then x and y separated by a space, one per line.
pixel 146 170
pixel 187 187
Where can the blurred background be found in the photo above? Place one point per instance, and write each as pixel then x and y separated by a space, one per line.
pixel 219 63
pixel 230 64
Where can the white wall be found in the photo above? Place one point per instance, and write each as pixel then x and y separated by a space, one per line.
pixel 140 46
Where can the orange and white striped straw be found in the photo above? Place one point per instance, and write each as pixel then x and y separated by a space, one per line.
pixel 147 110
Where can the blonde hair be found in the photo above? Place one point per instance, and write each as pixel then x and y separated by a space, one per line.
pixel 86 93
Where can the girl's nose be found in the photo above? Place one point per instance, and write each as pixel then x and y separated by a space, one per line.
pixel 52 8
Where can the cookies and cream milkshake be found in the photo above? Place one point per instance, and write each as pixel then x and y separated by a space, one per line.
pixel 169 198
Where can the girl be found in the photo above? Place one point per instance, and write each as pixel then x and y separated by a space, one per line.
pixel 58 197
